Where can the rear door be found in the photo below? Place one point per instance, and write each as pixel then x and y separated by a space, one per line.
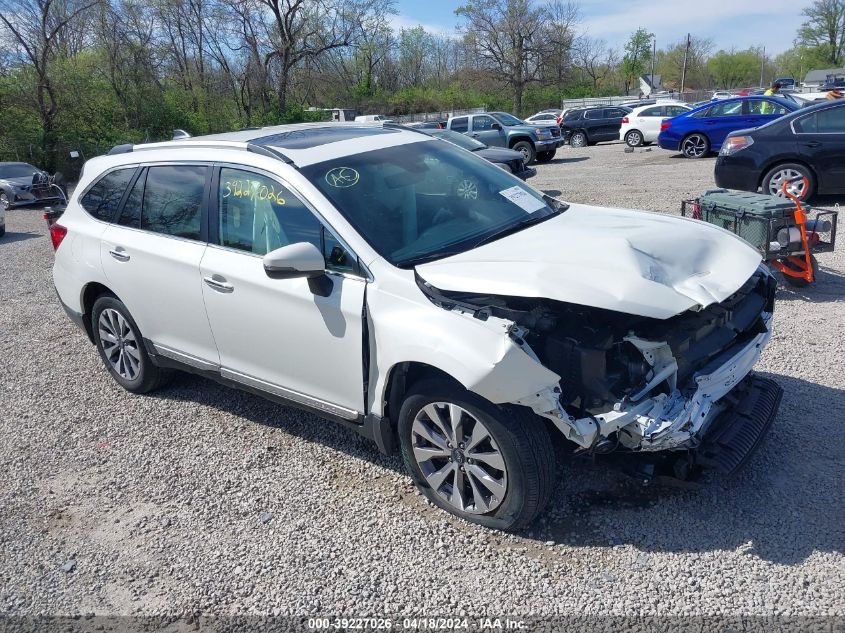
pixel 821 141
pixel 151 258
pixel 648 122
pixel 483 130
pixel 723 118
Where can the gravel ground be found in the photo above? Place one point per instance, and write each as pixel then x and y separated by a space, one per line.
pixel 204 500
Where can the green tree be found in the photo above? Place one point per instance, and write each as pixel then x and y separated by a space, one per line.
pixel 824 29
pixel 637 54
pixel 734 69
pixel 797 61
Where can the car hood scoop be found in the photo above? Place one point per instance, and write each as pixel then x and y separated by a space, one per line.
pixel 640 263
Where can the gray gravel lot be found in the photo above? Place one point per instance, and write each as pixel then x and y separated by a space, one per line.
pixel 204 500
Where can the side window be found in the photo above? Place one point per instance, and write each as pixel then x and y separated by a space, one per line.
pixel 675 110
pixel 729 108
pixel 806 124
pixel 701 114
pixel 460 125
pixel 831 121
pixel 130 215
pixel 593 114
pixel 652 112
pixel 481 123
pixel 614 113
pixel 173 200
pixel 765 107
pixel 258 215
pixel 102 200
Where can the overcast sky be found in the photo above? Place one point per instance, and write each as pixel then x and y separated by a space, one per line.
pixel 729 23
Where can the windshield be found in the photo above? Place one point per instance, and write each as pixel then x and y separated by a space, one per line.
pixel 419 202
pixel 17 171
pixel 461 140
pixel 507 119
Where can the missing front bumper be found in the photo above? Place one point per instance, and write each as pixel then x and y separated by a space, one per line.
pixel 732 437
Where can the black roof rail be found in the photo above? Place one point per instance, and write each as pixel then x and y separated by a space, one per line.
pixel 126 148
pixel 270 153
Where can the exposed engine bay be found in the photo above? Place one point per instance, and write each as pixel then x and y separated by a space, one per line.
pixel 641 383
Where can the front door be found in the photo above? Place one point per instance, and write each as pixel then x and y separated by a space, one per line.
pixel 151 258
pixel 281 335
pixel 483 130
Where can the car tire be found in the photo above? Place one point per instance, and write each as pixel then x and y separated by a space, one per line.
pixel 4 201
pixel 121 346
pixel 508 487
pixel 798 282
pixel 695 145
pixel 527 151
pixel 774 178
pixel 634 138
pixel 545 157
pixel 578 139
pixel 2 230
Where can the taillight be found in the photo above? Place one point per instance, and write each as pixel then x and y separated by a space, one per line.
pixel 558 120
pixel 624 119
pixel 57 234
pixel 665 125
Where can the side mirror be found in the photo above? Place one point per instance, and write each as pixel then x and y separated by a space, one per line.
pixel 497 126
pixel 302 259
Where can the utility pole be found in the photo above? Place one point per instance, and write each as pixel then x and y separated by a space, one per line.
pixel 762 63
pixel 653 55
pixel 684 71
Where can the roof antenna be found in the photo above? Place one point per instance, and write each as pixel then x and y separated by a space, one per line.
pixel 179 134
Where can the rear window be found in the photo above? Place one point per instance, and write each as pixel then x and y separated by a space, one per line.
pixel 460 125
pixel 593 115
pixel 173 197
pixel 102 200
pixel 573 116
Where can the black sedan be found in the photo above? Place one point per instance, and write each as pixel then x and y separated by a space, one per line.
pixel 508 159
pixel 809 142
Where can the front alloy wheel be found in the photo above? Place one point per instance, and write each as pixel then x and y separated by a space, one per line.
pixel 695 146
pixel 489 464
pixel 458 457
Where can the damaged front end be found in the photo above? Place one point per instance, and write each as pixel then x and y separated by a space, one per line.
pixel 636 382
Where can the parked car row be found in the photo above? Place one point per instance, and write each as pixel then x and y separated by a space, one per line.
pixel 500 129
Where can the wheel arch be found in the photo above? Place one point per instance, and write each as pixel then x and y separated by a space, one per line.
pixel 90 293
pixel 516 139
pixel 781 160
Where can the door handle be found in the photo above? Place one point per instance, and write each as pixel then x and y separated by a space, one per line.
pixel 218 283
pixel 119 254
pixel 812 144
pixel 474 135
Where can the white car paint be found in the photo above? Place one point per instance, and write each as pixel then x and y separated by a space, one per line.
pixel 646 121
pixel 566 259
pixel 276 335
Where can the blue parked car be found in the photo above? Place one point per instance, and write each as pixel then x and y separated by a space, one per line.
pixel 698 132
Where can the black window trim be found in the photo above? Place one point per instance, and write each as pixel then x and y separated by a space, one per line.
pixel 144 167
pixel 813 113
pixel 360 271
pixel 95 181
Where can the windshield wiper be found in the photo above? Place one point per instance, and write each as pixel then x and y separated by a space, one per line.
pixel 422 259
pixel 514 228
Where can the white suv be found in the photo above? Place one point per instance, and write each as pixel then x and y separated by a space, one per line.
pixel 424 297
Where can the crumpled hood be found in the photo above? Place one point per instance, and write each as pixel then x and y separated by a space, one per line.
pixel 647 264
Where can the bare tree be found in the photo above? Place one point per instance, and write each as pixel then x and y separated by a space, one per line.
pixel 595 59
pixel 39 27
pixel 507 35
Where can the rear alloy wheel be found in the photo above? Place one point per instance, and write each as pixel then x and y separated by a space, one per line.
pixel 634 138
pixel 578 139
pixel 545 157
pixel 527 150
pixel 4 201
pixel 487 464
pixel 695 146
pixel 121 347
pixel 773 181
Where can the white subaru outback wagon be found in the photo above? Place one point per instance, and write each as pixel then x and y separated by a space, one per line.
pixel 424 297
